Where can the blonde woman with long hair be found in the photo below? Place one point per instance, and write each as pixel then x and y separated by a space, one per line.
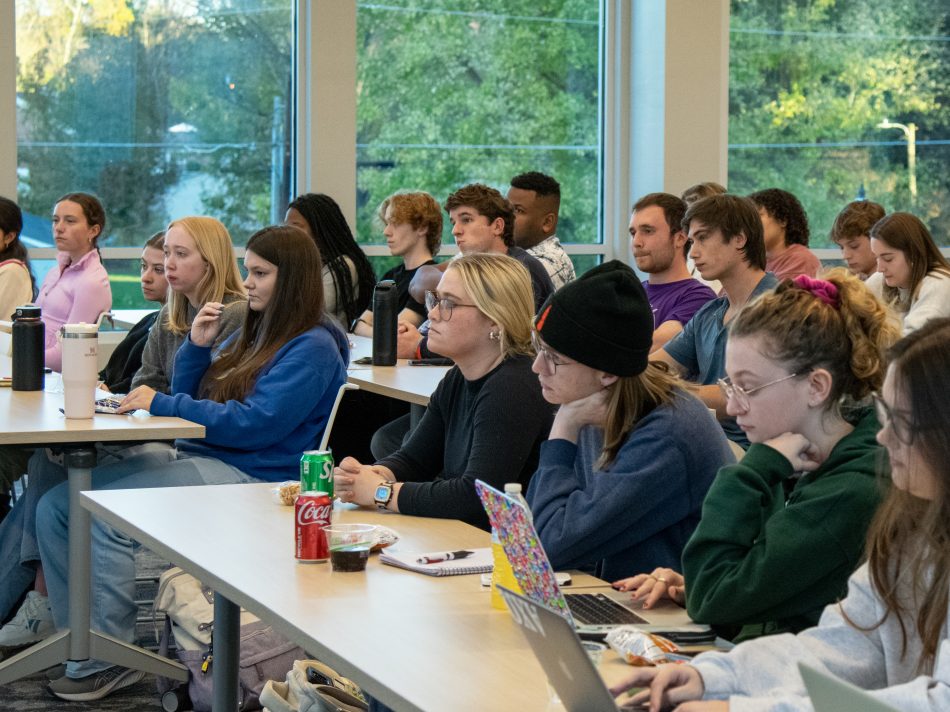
pixel 621 480
pixel 200 267
pixel 486 419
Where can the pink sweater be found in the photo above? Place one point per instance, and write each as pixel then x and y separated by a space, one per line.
pixel 72 293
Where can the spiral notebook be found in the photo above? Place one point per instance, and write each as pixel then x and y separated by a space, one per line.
pixel 480 562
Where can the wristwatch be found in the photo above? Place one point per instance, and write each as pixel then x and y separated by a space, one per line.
pixel 383 494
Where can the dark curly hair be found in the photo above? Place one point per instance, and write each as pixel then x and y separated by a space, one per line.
pixel 786 209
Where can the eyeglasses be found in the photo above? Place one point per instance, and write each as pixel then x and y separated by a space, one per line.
pixel 550 359
pixel 741 395
pixel 902 426
pixel 445 305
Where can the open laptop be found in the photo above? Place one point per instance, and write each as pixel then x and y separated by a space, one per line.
pixel 831 694
pixel 594 613
pixel 563 658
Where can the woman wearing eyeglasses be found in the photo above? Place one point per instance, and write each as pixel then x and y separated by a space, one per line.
pixel 486 419
pixel 631 454
pixel 783 529
pixel 890 635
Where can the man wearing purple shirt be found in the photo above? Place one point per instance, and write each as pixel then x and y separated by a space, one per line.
pixel 660 247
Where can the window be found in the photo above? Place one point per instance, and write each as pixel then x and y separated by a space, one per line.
pixel 456 92
pixel 822 99
pixel 162 109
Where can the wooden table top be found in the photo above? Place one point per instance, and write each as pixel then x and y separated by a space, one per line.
pixel 416 642
pixel 34 418
pixel 413 384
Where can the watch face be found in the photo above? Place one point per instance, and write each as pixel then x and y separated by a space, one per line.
pixel 382 493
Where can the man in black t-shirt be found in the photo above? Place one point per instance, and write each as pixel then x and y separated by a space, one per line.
pixel 482 221
pixel 413 229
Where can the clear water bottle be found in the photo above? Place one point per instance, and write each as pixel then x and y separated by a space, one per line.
pixel 502 572
pixel 29 349
pixel 385 310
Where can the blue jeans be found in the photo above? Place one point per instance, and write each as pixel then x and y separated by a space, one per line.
pixel 112 601
pixel 19 552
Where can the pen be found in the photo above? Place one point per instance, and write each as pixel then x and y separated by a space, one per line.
pixel 439 558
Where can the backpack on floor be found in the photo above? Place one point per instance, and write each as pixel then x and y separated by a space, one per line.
pixel 189 608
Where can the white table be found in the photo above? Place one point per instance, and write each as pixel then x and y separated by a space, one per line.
pixel 413 384
pixel 414 642
pixel 34 418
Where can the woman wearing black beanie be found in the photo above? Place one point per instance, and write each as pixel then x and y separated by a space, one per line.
pixel 621 481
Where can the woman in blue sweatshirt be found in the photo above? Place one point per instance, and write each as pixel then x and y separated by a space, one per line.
pixel 621 480
pixel 263 398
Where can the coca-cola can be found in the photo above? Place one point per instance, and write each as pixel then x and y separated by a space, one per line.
pixel 313 511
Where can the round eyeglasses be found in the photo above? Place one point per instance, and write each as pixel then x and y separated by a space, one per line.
pixel 741 395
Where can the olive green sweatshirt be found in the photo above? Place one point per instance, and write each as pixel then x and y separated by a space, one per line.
pixel 767 563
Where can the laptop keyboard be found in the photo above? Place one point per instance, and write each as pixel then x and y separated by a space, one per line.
pixel 598 609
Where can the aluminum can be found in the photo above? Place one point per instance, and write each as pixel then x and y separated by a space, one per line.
pixel 313 511
pixel 316 472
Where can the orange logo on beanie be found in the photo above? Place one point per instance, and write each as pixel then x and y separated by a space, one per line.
pixel 539 324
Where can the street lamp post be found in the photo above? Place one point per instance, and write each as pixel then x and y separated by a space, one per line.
pixel 910 135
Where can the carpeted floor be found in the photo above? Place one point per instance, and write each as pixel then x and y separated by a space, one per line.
pixel 30 695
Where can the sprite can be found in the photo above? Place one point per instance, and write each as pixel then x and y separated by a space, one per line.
pixel 316 472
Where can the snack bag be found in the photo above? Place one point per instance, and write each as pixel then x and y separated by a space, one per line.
pixel 640 648
pixel 286 493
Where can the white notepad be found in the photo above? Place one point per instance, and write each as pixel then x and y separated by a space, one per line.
pixel 479 562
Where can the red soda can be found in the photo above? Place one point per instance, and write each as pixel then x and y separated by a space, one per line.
pixel 313 511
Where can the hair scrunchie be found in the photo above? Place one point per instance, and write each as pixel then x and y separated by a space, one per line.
pixel 821 288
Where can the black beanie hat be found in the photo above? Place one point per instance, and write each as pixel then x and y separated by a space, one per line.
pixel 602 319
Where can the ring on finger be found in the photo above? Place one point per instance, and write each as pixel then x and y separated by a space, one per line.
pixel 661 579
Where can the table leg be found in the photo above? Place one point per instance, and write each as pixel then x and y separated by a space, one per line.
pixel 79 642
pixel 79 464
pixel 227 643
pixel 416 412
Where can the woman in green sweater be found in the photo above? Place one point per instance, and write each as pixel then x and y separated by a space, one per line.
pixel 783 529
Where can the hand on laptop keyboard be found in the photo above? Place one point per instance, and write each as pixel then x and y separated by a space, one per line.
pixel 650 588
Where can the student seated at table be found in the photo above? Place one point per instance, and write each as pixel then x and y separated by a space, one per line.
pixel 890 634
pixel 486 419
pixel 348 278
pixel 264 397
pixel 851 232
pixel 631 453
pixel 913 276
pixel 200 267
pixel 786 232
pixel 126 359
pixel 412 226
pixel 783 529
pixel 16 278
pixel 76 288
pixel 728 246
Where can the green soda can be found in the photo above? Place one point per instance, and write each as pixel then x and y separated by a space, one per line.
pixel 316 472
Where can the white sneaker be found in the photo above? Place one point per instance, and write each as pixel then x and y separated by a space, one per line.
pixel 31 624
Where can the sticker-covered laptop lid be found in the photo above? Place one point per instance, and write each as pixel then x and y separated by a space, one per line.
pixel 517 535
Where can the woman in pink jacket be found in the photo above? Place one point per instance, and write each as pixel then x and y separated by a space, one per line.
pixel 77 288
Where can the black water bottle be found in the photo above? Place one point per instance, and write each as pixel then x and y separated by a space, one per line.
pixel 384 323
pixel 29 349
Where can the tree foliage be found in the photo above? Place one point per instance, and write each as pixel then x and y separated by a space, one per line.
pixel 153 104
pixel 825 73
